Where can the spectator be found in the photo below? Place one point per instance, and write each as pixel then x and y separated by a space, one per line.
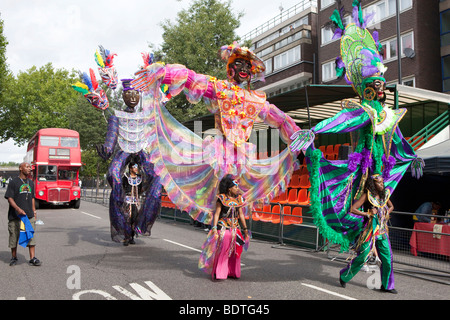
pixel 429 208
pixel 20 195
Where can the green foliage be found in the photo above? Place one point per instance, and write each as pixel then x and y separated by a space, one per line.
pixel 194 40
pixel 4 72
pixel 88 121
pixel 10 164
pixel 36 99
pixel 93 165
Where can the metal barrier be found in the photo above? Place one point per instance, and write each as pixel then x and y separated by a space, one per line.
pixel 425 256
pixel 267 225
pixel 278 226
pixel 286 228
pixel 100 195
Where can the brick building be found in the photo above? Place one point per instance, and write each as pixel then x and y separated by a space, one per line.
pixel 419 34
pixel 299 53
pixel 298 49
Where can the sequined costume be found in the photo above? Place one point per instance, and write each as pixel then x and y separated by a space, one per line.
pixel 221 252
pixel 374 240
pixel 190 166
pixel 377 142
pixel 124 142
pixel 127 131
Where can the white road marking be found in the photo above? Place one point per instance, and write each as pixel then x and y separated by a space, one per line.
pixel 182 245
pixel 185 246
pixel 91 215
pixel 328 291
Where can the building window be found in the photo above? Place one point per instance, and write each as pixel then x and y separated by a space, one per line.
pixel 290 39
pixel 445 28
pixel 326 3
pixel 326 35
pixel 385 9
pixel 408 81
pixel 281 32
pixel 446 73
pixel 268 64
pixel 328 71
pixel 390 46
pixel 286 58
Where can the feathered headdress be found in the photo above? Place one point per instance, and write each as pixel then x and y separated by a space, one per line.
pixel 148 59
pixel 106 68
pixel 360 60
pixel 89 87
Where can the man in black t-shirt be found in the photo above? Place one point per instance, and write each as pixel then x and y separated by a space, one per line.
pixel 20 195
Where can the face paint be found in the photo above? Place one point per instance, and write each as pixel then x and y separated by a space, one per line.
pixel 378 86
pixel 131 98
pixel 241 68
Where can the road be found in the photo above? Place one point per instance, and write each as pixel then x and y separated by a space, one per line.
pixel 79 261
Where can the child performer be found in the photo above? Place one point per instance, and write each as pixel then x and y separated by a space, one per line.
pixel 223 247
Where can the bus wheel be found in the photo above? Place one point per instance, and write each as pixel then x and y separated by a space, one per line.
pixel 37 204
pixel 76 203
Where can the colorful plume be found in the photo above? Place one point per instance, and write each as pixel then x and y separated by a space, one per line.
pixel 148 58
pixel 99 59
pixel 93 79
pixel 107 56
pixel 80 87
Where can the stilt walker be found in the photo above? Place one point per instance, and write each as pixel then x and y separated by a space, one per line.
pixel 125 141
pixel 191 167
pixel 379 147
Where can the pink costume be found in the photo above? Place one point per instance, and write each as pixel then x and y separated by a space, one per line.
pixel 221 254
pixel 190 167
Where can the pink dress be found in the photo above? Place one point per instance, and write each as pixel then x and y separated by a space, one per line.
pixel 222 249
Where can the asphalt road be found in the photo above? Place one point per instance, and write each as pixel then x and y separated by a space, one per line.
pixel 79 261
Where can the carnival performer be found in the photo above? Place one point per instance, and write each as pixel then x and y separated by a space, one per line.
pixel 374 239
pixel 378 144
pixel 191 167
pixel 221 254
pixel 126 128
pixel 125 131
pixel 132 186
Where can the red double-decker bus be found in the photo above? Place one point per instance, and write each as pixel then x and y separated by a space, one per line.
pixel 55 156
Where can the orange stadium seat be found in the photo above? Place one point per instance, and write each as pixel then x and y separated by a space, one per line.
pixel 275 217
pixel 266 216
pixel 292 197
pixel 287 215
pixel 296 216
pixel 282 198
pixel 303 197
pixel 295 181
pixel 304 181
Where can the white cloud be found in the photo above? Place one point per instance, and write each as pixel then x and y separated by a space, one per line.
pixel 11 152
pixel 67 33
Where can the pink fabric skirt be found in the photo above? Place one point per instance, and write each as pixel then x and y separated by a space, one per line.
pixel 226 265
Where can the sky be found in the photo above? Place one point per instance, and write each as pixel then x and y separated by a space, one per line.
pixel 67 33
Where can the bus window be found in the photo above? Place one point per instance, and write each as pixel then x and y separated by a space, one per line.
pixel 49 141
pixel 69 142
pixel 47 173
pixel 67 174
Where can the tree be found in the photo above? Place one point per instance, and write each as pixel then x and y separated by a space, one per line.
pixel 88 121
pixel 37 98
pixel 194 41
pixel 91 125
pixel 4 71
